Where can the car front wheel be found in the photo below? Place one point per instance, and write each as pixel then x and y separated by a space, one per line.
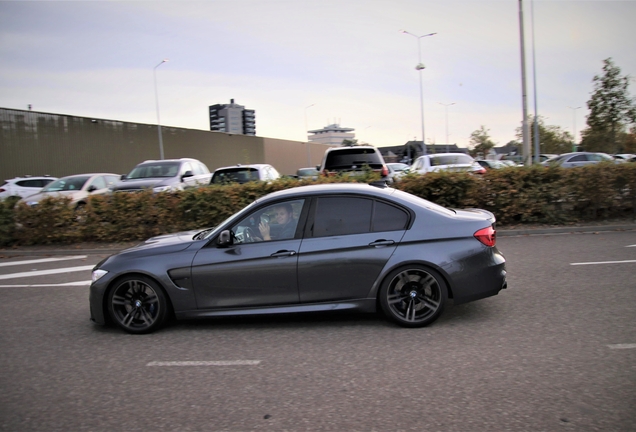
pixel 137 304
pixel 413 296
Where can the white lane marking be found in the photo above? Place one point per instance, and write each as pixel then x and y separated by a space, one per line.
pixel 70 284
pixel 41 260
pixel 604 262
pixel 46 272
pixel 623 346
pixel 631 246
pixel 205 363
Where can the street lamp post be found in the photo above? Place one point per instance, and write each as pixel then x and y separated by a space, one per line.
pixel 446 109
pixel 157 104
pixel 420 66
pixel 307 132
pixel 574 123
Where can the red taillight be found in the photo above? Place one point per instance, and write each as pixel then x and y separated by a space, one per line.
pixel 487 236
pixel 385 171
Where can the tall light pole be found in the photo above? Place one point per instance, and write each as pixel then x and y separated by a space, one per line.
pixel 154 71
pixel 537 144
pixel 446 109
pixel 307 132
pixel 420 66
pixel 527 160
pixel 574 123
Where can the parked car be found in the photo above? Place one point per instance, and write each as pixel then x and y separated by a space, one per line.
pixel 624 156
pixel 307 173
pixel 24 186
pixel 396 170
pixel 546 156
pixel 165 176
pixel 446 162
pixel 577 159
pixel 76 187
pixel 353 160
pixel 340 246
pixel 491 164
pixel 245 173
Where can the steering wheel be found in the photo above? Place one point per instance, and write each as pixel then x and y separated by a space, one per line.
pixel 248 235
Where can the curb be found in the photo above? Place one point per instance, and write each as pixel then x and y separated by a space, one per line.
pixel 110 249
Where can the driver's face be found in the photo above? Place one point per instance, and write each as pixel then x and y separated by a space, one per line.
pixel 282 215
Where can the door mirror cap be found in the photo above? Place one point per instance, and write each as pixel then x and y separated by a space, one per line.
pixel 225 238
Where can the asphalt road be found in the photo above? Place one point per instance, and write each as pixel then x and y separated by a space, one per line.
pixel 556 351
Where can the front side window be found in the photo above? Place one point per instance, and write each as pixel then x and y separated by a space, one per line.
pixel 275 222
pixel 98 183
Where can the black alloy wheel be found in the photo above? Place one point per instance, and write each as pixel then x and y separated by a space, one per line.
pixel 413 296
pixel 137 305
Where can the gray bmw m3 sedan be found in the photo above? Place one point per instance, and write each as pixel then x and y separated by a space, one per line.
pixel 312 248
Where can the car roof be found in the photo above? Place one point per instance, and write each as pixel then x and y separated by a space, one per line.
pixel 88 174
pixel 243 166
pixel 331 188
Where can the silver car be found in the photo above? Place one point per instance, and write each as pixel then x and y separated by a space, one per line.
pixel 577 159
pixel 446 162
pixel 330 247
pixel 165 176
pixel 76 187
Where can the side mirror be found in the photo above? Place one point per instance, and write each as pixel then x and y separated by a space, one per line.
pixel 91 188
pixel 123 177
pixel 187 174
pixel 225 238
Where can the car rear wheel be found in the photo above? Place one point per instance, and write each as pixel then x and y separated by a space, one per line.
pixel 137 304
pixel 413 296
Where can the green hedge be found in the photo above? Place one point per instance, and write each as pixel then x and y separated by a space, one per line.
pixel 516 195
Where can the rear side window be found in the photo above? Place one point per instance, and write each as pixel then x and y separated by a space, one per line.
pixel 388 218
pixel 346 158
pixel 335 216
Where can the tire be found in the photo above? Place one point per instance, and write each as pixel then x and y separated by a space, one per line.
pixel 413 296
pixel 137 304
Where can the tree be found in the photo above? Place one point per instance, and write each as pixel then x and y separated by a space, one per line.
pixel 611 111
pixel 349 142
pixel 481 142
pixel 552 139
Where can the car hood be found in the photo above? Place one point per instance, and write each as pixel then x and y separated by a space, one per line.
pixel 73 195
pixel 143 183
pixel 167 243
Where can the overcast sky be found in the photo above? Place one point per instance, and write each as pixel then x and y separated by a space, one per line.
pixel 347 58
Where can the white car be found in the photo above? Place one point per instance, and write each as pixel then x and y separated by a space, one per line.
pixel 244 173
pixel 76 187
pixel 446 162
pixel 24 186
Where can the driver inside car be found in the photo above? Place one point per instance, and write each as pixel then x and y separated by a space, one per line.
pixel 285 224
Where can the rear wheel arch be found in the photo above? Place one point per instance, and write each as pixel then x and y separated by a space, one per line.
pixel 413 295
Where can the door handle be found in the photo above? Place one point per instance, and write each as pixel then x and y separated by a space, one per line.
pixel 283 253
pixel 378 243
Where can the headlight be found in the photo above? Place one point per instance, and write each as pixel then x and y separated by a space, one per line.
pixel 162 189
pixel 97 275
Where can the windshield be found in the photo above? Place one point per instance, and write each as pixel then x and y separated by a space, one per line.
pixel 235 175
pixel 451 160
pixel 67 184
pixel 154 170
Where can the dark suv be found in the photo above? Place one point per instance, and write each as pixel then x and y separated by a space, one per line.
pixel 165 175
pixel 353 160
